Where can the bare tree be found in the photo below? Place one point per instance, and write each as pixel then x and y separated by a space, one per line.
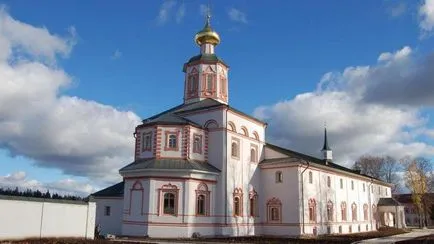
pixel 383 168
pixel 418 176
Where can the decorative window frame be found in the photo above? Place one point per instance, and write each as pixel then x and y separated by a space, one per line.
pixel 274 203
pixel 344 211
pixel 202 189
pixel 330 211
pixel 238 193
pixel 223 86
pixel 192 86
pixel 253 196
pixel 245 131
pixel 255 135
pixel 169 188
pixel 256 154
pixel 197 150
pixel 146 148
pixel 279 176
pixel 209 91
pixel 232 127
pixel 238 147
pixel 312 215
pixel 137 186
pixel 166 143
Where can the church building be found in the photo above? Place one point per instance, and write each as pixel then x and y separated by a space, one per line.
pixel 204 168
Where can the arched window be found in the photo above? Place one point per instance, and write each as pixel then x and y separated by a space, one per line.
pixel 274 210
pixel 365 211
pixel 238 196
pixel 211 124
pixel 344 211
pixel 253 198
pixel 310 177
pixel 244 131
pixel 330 210
pixel 231 126
pixel 235 150
pixel 169 203
pixel 253 155
pixel 200 205
pixel 312 210
pixel 354 211
pixel 279 177
pixel 202 200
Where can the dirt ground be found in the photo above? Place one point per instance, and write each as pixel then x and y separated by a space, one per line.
pixel 339 239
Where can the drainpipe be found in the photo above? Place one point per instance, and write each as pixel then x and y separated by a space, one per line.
pixel 302 194
pixel 225 166
pixel 370 202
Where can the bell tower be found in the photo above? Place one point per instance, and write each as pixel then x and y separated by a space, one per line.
pixel 206 75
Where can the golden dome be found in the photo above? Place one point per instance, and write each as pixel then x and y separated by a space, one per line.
pixel 207 35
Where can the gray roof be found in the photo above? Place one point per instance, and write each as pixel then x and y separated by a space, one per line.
pixel 388 202
pixel 116 190
pixel 293 154
pixel 174 115
pixel 212 58
pixel 170 164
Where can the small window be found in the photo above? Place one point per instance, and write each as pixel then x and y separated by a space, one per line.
pixel 235 149
pixel 253 155
pixel 147 141
pixel 275 214
pixel 363 187
pixel 197 144
pixel 200 205
pixel 328 181
pixel 169 204
pixel 342 183
pixel 340 229
pixel 172 142
pixel 279 177
pixel 310 177
pixel 352 185
pixel 107 211
pixel 209 82
pixel 237 206
pixel 274 210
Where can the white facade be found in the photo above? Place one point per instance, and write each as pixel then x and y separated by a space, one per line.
pixel 204 168
pixel 23 217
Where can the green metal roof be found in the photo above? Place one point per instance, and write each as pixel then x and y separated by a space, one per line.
pixel 170 164
pixel 116 190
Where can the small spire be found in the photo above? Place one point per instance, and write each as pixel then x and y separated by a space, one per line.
pixel 326 144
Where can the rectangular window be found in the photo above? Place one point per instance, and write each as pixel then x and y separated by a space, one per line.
pixel 352 185
pixel 172 143
pixel 279 177
pixel 197 143
pixel 342 183
pixel 147 141
pixel 223 86
pixel 235 148
pixel 107 210
pixel 328 181
pixel 363 187
pixel 209 82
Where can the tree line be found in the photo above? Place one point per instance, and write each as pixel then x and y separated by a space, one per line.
pixel 416 174
pixel 37 194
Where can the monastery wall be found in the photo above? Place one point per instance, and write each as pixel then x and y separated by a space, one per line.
pixel 24 217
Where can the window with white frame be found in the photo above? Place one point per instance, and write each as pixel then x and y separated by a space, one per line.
pixel 147 141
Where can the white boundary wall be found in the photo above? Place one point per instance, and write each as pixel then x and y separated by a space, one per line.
pixel 25 217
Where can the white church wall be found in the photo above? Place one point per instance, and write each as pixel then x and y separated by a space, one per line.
pixel 110 221
pixel 24 217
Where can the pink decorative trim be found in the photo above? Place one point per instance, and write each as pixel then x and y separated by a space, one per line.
pixel 274 203
pixel 169 188
pixel 202 189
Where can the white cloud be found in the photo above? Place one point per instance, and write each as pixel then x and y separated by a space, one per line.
pixel 180 13
pixel 426 14
pixel 398 9
pixel 364 111
pixel 64 187
pixel 165 11
pixel 237 16
pixel 116 55
pixel 77 136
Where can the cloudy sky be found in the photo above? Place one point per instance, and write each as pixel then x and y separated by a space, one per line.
pixel 76 79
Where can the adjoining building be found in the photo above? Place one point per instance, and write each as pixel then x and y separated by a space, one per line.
pixel 205 168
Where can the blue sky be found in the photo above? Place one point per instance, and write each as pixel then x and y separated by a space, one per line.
pixel 129 57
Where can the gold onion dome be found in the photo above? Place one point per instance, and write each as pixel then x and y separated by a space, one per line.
pixel 207 35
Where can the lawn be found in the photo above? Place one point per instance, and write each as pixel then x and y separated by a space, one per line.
pixel 340 239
